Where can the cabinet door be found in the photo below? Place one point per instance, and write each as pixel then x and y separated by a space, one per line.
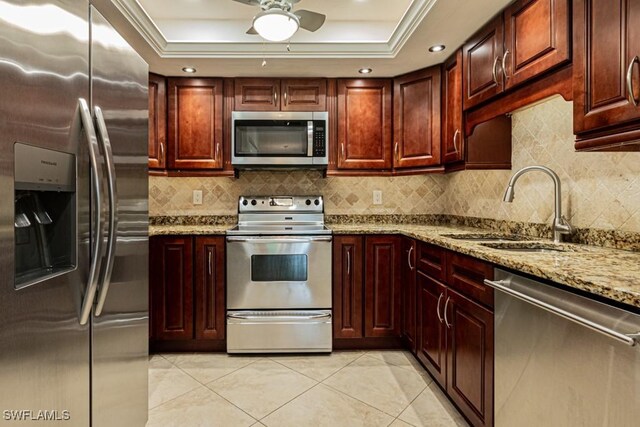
pixel 482 56
pixel 470 358
pixel 432 338
pixel 195 123
pixel 304 95
pixel 209 288
pixel 417 119
pixel 257 94
pixel 536 38
pixel 157 121
pixel 347 287
pixel 452 124
pixel 382 286
pixel 364 124
pixel 171 274
pixel 409 292
pixel 606 39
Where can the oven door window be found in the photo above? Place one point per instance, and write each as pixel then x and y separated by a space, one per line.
pixel 279 268
pixel 264 138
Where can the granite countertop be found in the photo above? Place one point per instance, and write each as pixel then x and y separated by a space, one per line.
pixel 192 230
pixel 610 273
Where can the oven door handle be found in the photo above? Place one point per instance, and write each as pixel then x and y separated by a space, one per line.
pixel 280 240
pixel 282 317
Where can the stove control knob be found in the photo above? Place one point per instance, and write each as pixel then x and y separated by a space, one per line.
pixel 254 202
pixel 245 202
pixel 317 202
pixel 308 202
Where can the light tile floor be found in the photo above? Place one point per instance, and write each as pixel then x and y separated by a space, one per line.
pixel 346 388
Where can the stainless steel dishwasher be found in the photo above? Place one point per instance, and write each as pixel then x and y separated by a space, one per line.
pixel 562 359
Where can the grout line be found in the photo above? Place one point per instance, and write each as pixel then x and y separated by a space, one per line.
pixel 291 400
pixel 174 398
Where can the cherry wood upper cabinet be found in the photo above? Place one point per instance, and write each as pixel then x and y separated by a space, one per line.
pixel 304 95
pixel 482 56
pixel 257 94
pixel 364 124
pixel 417 119
pixel 171 287
pixel 347 286
pixel 452 123
pixel 537 38
pixel 526 40
pixel 382 286
pixel 606 73
pixel 195 123
pixel 157 121
pixel 209 288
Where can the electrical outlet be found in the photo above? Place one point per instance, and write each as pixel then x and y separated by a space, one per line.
pixel 197 197
pixel 377 197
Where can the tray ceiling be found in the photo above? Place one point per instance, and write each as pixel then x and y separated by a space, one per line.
pixel 392 37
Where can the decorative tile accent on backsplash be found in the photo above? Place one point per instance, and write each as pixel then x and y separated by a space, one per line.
pixel 348 195
pixel 600 190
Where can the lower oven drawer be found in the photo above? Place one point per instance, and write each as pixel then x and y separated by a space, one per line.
pixel 279 331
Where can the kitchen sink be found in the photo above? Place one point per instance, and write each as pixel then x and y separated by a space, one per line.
pixel 483 236
pixel 526 247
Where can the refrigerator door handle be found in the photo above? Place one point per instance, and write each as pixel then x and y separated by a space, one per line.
pixel 96 212
pixel 113 209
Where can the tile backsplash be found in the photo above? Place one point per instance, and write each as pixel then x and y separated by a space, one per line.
pixel 600 190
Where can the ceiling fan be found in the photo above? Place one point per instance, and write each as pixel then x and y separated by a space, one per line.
pixel 276 22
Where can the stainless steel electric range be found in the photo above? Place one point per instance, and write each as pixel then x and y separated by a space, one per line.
pixel 279 276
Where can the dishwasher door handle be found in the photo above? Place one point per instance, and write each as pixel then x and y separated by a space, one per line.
pixel 501 285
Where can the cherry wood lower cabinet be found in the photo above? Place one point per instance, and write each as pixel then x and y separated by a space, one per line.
pixel 409 292
pixel 209 288
pixel 455 328
pixel 187 293
pixel 382 286
pixel 367 291
pixel 347 286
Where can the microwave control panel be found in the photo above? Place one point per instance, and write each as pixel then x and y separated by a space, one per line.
pixel 319 139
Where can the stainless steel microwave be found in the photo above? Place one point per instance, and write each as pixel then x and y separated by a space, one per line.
pixel 279 139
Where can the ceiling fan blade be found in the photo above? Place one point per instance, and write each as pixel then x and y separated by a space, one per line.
pixel 252 31
pixel 310 21
pixel 249 2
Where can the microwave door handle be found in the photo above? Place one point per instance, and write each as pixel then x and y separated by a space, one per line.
pixel 310 138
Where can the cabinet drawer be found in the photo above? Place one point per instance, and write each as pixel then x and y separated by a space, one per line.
pixel 466 275
pixel 431 260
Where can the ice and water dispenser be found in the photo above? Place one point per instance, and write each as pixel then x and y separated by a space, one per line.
pixel 45 214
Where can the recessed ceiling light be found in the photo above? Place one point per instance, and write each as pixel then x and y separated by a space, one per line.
pixel 189 70
pixel 365 70
pixel 437 48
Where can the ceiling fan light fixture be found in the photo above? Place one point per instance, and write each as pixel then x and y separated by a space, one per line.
pixel 276 25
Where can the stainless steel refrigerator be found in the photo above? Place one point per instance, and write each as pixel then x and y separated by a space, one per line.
pixel 73 218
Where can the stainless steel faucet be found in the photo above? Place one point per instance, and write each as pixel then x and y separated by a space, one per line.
pixel 560 224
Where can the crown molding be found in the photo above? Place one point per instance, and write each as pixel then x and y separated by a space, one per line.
pixel 142 22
